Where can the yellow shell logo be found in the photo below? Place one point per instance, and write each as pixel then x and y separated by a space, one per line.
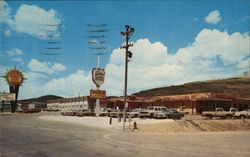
pixel 14 77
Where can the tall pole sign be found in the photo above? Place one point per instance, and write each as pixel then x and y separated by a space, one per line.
pixel 129 32
pixel 14 78
pixel 97 35
pixel 98 76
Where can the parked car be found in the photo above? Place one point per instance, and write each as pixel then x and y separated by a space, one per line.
pixel 174 114
pixel 34 110
pixel 169 113
pixel 219 112
pixel 89 112
pixel 134 113
pixel 104 112
pixel 152 112
pixel 117 113
pixel 69 112
pixel 242 114
pixel 19 110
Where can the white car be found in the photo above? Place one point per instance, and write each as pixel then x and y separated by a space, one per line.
pixel 134 113
pixel 153 112
pixel 243 114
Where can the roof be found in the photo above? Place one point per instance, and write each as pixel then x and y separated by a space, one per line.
pixel 196 96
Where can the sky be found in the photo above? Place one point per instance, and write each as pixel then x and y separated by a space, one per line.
pixel 175 42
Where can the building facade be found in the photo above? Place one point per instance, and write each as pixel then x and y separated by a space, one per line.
pixel 75 103
pixel 189 103
pixel 196 103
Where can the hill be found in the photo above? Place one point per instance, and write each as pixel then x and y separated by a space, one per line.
pixel 42 98
pixel 239 85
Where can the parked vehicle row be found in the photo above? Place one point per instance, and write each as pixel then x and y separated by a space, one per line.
pixel 150 112
pixel 161 112
pixel 221 113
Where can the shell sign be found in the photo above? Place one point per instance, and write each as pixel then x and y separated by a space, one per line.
pixel 14 77
pixel 98 76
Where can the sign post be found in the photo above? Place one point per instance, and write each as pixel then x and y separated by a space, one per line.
pixel 14 78
pixel 98 76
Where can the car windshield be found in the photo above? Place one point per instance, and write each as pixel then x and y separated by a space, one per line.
pixel 173 111
pixel 163 109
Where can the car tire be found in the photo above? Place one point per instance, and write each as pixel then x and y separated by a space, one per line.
pixel 209 116
pixel 242 116
pixel 228 117
pixel 151 116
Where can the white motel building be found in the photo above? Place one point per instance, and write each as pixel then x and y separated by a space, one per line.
pixel 75 103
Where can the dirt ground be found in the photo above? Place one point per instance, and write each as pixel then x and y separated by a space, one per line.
pixel 194 124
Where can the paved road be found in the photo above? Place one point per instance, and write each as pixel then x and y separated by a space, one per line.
pixel 23 135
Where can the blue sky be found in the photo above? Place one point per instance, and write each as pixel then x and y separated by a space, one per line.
pixel 174 42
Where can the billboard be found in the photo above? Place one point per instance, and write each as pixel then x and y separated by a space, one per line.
pixel 98 76
pixel 97 94
pixel 7 96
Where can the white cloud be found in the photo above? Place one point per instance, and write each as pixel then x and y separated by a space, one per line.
pixel 213 44
pixel 72 85
pixel 213 17
pixel 245 64
pixel 19 60
pixel 15 52
pixel 45 67
pixel 212 55
pixel 5 13
pixel 32 20
pixel 58 67
pixel 3 82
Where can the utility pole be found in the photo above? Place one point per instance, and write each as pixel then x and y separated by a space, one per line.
pixel 127 35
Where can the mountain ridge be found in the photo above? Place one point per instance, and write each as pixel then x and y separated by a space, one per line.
pixel 235 85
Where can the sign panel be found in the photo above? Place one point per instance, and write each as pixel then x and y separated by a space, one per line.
pixel 14 77
pixel 7 96
pixel 97 94
pixel 98 76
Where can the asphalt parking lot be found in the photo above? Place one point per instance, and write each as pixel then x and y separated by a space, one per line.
pixel 24 135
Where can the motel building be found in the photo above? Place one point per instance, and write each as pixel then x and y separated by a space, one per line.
pixel 74 103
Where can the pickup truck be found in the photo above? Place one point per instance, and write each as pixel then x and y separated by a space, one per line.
pixel 242 114
pixel 219 112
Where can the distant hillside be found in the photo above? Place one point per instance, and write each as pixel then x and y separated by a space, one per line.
pixel 239 85
pixel 43 98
